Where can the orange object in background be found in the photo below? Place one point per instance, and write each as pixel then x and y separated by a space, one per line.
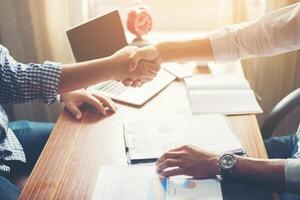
pixel 139 21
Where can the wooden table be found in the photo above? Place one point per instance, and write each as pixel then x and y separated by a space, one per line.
pixel 70 162
pixel 69 165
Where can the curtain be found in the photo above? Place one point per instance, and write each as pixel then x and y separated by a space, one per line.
pixel 34 31
pixel 273 78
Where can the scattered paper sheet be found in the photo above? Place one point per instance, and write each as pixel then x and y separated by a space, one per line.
pixel 142 183
pixel 148 139
pixel 228 94
pixel 181 188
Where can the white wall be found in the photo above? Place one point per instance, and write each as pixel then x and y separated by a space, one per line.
pixel 184 15
pixel 170 15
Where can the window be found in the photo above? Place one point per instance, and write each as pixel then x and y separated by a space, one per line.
pixel 184 15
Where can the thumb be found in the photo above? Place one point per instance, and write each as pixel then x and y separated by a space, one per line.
pixel 74 110
pixel 134 58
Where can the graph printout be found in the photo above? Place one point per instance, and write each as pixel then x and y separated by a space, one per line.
pixel 143 183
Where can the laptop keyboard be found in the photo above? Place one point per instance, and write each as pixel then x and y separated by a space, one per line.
pixel 111 87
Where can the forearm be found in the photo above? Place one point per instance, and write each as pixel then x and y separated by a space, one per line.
pixel 81 75
pixel 197 49
pixel 276 32
pixel 270 173
pixel 114 67
pixel 20 83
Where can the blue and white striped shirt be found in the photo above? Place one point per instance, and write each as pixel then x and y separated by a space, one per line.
pixel 21 83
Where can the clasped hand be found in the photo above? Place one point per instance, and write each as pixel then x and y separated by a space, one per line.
pixel 131 65
pixel 142 65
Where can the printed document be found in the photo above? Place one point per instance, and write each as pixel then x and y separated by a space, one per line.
pixel 148 139
pixel 142 183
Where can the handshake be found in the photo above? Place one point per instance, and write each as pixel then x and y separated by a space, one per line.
pixel 135 66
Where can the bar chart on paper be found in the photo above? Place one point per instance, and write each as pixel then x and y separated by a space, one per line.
pixel 129 183
pixel 143 183
pixel 188 189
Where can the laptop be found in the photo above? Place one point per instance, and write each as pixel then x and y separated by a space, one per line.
pixel 102 37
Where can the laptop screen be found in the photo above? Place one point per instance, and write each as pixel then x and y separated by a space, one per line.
pixel 98 38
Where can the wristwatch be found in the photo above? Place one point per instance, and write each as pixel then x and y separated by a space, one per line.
pixel 226 164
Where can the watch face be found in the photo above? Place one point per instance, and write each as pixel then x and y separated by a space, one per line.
pixel 227 161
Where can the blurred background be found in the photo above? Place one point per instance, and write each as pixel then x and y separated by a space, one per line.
pixel 34 31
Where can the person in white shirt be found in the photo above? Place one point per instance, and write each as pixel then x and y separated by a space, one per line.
pixel 275 33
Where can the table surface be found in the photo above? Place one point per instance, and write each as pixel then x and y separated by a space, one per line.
pixel 69 165
pixel 70 162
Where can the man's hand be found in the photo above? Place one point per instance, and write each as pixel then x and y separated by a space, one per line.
pixel 147 54
pixel 74 100
pixel 125 59
pixel 188 160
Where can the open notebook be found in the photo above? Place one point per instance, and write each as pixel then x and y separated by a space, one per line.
pixel 146 140
pixel 226 94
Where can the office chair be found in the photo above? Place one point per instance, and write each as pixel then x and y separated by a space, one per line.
pixel 284 107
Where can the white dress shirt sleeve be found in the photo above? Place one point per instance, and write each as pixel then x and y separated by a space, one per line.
pixel 274 33
pixel 292 176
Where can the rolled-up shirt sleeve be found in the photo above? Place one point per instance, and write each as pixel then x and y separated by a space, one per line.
pixel 274 33
pixel 292 176
pixel 21 83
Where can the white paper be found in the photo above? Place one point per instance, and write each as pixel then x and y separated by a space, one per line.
pixel 223 101
pixel 210 82
pixel 188 189
pixel 228 94
pixel 128 183
pixel 142 183
pixel 148 139
pixel 180 70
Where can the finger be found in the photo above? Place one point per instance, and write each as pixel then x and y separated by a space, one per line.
pixel 107 102
pixel 146 53
pixel 149 67
pixel 169 155
pixel 154 67
pixel 178 149
pixel 152 73
pixel 128 82
pixel 148 77
pixel 168 163
pixel 111 102
pixel 74 109
pixel 173 172
pixel 142 79
pixel 94 102
pixel 150 53
pixel 140 84
pixel 136 83
pixel 134 58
